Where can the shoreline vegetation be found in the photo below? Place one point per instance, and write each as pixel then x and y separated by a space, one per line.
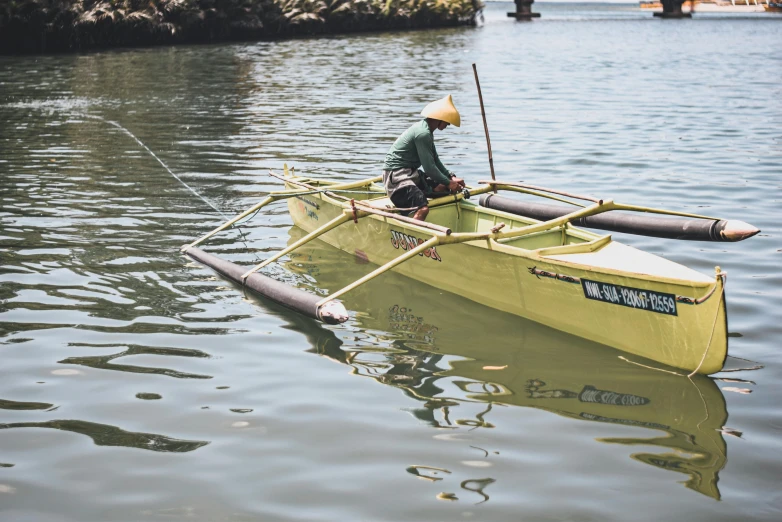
pixel 53 26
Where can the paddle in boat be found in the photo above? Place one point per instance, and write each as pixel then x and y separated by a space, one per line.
pixel 528 261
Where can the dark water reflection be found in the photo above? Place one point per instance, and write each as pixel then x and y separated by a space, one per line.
pixel 519 363
pixel 15 405
pixel 105 362
pixel 104 435
pixel 110 161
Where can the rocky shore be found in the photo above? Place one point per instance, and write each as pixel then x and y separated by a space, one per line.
pixel 49 26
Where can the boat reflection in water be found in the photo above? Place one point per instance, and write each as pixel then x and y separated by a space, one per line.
pixel 423 341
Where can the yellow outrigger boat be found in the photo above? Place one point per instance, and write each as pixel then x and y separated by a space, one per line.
pixel 549 271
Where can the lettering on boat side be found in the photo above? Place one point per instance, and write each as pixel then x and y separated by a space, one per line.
pixel 303 207
pixel 406 242
pixel 631 297
pixel 308 202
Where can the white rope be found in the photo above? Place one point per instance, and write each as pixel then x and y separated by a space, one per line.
pixel 722 275
pixel 625 359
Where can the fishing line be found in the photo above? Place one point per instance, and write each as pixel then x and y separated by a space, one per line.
pixel 141 143
pixel 188 187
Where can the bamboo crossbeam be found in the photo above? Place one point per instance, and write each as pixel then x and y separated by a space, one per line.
pixel 530 192
pixel 356 184
pixel 434 241
pixel 230 222
pixel 275 196
pixel 529 189
pixel 291 181
pixel 541 189
pixel 363 207
pixel 597 208
pixel 340 186
pixel 334 223
pixel 447 199
pixel 636 208
pixel 404 219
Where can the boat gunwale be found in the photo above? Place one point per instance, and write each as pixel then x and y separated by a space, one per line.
pixel 530 254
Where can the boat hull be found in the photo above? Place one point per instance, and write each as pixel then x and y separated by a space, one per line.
pixel 556 290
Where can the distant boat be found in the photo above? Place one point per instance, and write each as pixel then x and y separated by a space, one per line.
pixel 722 6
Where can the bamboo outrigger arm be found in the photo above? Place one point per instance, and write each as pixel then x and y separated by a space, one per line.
pixel 509 185
pixel 276 196
pixel 227 224
pixel 355 214
pixel 699 228
pixel 499 185
pixel 532 189
pixel 434 241
pixel 334 223
pixel 496 234
pixel 443 239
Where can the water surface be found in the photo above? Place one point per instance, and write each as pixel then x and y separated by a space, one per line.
pixel 137 385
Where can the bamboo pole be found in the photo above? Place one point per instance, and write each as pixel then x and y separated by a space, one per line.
pixel 363 207
pixel 511 188
pixel 275 196
pixel 650 210
pixel 530 189
pixel 596 208
pixel 334 223
pixel 404 219
pixel 230 222
pixel 485 125
pixel 369 209
pixel 385 268
pixel 340 186
pixel 542 189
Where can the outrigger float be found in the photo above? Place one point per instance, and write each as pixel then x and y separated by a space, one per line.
pixel 537 266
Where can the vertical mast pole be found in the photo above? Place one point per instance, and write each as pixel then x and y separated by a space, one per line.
pixel 485 126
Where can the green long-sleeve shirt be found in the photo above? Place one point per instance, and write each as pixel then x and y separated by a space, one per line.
pixel 415 148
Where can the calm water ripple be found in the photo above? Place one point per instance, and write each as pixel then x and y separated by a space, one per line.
pixel 425 406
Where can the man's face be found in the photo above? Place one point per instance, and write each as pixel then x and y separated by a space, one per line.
pixel 442 125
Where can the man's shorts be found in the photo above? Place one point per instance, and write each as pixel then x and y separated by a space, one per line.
pixel 410 197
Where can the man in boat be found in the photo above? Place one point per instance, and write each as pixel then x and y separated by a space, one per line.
pixel 409 187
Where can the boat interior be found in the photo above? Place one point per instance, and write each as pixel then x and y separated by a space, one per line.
pixel 467 216
pixel 560 243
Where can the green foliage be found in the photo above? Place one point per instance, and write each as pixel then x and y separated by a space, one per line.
pixel 65 25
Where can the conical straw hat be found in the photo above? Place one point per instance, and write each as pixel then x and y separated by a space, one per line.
pixel 443 109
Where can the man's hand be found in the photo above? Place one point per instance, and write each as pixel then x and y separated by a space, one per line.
pixel 456 184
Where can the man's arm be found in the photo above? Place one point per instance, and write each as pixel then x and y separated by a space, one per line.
pixel 432 166
pixel 454 183
pixel 440 165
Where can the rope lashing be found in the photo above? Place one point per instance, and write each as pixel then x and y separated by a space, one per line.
pixel 724 277
pixel 355 214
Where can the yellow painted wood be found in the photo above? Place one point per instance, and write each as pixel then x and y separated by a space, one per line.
pixel 230 222
pixel 475 265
